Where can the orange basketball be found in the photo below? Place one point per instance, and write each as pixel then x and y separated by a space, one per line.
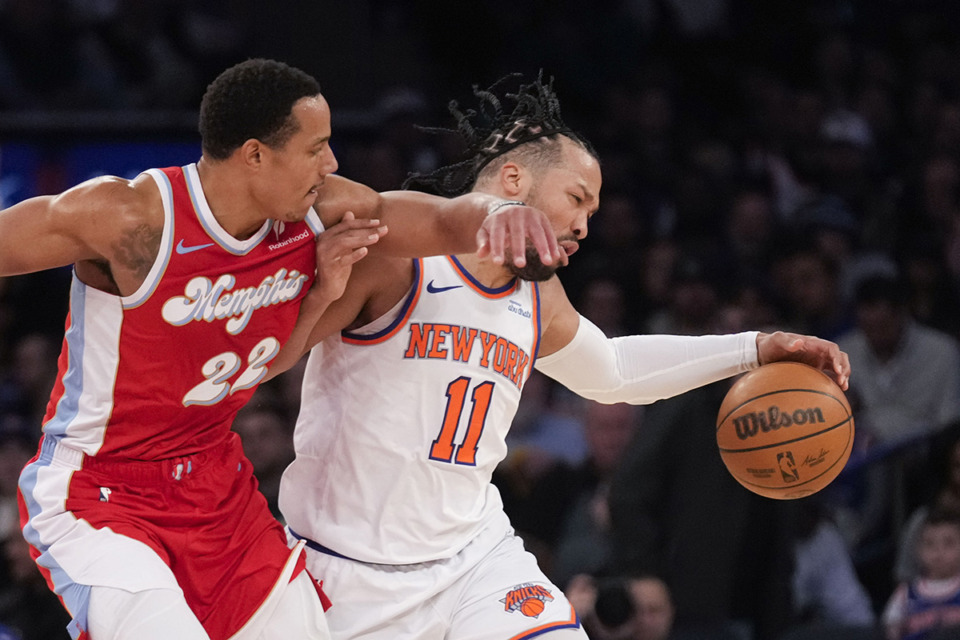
pixel 785 430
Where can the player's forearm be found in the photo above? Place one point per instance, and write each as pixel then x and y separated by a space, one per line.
pixel 644 369
pixel 424 225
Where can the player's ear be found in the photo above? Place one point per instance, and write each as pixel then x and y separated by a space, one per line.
pixel 513 179
pixel 251 152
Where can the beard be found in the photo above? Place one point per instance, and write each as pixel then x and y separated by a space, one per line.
pixel 534 270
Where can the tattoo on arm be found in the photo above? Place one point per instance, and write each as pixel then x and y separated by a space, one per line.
pixel 138 249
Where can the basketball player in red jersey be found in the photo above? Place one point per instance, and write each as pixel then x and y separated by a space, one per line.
pixel 415 378
pixel 140 508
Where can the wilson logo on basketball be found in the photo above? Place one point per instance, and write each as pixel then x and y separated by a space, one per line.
pixel 750 424
pixel 528 599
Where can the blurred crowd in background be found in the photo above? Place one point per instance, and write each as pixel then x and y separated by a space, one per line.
pixel 767 165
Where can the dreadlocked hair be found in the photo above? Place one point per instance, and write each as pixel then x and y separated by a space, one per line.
pixel 530 133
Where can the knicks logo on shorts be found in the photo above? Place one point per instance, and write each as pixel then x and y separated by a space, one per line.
pixel 528 599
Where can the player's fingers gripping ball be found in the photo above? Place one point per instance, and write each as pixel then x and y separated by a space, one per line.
pixel 785 430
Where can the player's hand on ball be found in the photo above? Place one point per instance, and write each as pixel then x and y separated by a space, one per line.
pixel 816 352
pixel 339 247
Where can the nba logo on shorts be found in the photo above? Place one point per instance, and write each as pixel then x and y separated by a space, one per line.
pixel 788 467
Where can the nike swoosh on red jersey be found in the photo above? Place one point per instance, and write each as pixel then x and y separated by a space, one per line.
pixel 182 249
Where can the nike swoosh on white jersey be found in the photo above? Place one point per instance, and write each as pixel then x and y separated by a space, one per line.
pixel 433 289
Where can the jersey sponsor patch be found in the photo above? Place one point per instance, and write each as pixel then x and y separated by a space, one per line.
pixel 303 235
pixel 517 308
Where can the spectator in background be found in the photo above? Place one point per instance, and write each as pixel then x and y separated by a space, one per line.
pixel 612 256
pixel 908 375
pixel 848 171
pixel 25 389
pixel 808 281
pixel 653 608
pixel 750 232
pixel 604 302
pixel 584 544
pixel 16 447
pixel 946 498
pixel 826 589
pixel 26 604
pixel 560 506
pixel 934 294
pixel 659 260
pixel 399 110
pixel 376 163
pixel 628 608
pixel 827 226
pixel 548 424
pixel 544 436
pixel 931 601
pixel 693 299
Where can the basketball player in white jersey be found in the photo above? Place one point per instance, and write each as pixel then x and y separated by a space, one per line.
pixel 415 378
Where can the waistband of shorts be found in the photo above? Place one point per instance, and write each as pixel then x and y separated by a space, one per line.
pixel 175 469
pixel 316 546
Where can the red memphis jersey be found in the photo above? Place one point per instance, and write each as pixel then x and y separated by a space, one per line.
pixel 162 372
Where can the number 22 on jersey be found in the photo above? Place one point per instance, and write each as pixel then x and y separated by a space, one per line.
pixel 218 370
pixel 443 448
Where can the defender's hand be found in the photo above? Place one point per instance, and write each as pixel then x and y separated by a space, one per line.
pixel 515 224
pixel 338 248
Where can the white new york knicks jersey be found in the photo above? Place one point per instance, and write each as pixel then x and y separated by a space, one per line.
pixel 403 422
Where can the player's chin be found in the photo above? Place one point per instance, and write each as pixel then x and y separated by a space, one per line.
pixel 306 204
pixel 297 215
pixel 534 270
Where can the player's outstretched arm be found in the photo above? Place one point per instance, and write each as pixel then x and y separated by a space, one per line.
pixel 49 231
pixel 644 369
pixel 107 220
pixel 425 225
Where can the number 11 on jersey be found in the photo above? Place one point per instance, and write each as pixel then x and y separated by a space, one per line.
pixel 466 452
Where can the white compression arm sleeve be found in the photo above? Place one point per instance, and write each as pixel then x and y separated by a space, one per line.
pixel 644 369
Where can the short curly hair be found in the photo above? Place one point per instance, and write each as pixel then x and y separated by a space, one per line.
pixel 252 99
